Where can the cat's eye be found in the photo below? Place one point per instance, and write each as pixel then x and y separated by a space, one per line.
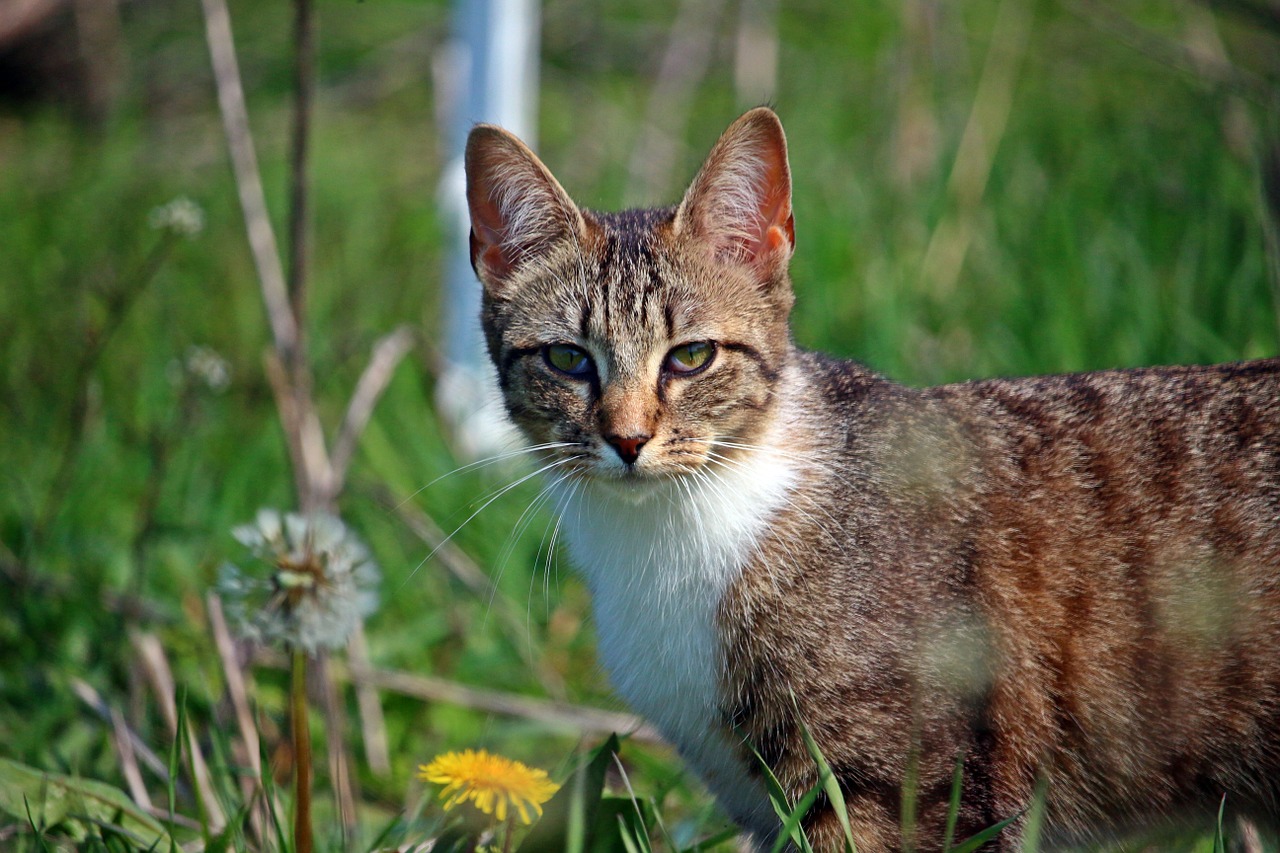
pixel 568 359
pixel 690 358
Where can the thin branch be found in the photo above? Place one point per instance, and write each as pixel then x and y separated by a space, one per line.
pixel 387 353
pixel 341 776
pixel 685 62
pixel 949 244
pixel 244 163
pixel 304 29
pixel 236 689
pixel 251 784
pixel 373 725
pixel 160 675
pixel 562 715
pixel 120 736
pixel 290 417
pixel 93 699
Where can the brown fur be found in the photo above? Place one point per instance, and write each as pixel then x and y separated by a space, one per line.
pixel 1073 579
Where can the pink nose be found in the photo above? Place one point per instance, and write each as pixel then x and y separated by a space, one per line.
pixel 628 448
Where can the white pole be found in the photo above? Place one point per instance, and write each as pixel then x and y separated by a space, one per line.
pixel 496 70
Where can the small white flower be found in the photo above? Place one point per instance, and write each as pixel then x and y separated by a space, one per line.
pixel 182 216
pixel 209 367
pixel 321 581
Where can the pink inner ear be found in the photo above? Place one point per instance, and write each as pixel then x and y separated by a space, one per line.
pixel 487 240
pixel 778 233
pixel 488 237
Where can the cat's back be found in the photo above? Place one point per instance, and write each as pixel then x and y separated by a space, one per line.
pixel 1081 573
pixel 1130 564
pixel 1133 460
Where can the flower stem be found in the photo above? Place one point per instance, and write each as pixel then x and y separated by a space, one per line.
pixel 511 830
pixel 302 839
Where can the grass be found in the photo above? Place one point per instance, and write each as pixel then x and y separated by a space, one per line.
pixel 1119 225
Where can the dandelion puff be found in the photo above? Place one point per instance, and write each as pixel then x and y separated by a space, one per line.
pixel 493 783
pixel 319 583
pixel 207 365
pixel 182 216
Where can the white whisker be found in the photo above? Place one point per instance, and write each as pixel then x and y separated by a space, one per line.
pixel 499 493
pixel 484 463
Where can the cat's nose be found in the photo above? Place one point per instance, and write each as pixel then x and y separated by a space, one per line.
pixel 628 447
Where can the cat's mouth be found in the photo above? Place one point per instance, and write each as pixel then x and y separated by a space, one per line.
pixel 659 462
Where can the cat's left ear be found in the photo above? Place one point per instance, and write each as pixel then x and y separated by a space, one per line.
pixel 740 202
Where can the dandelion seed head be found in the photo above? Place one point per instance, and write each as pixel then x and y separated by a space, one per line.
pixel 203 364
pixel 209 367
pixel 316 581
pixel 182 216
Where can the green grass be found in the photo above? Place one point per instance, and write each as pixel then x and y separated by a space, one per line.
pixel 1120 225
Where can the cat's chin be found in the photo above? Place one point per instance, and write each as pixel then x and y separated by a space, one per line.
pixel 635 485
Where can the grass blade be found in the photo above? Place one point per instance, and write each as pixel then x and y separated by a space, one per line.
pixel 791 823
pixel 790 816
pixel 978 839
pixel 1219 840
pixel 953 805
pixel 830 785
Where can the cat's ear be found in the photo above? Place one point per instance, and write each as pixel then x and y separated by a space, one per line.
pixel 740 202
pixel 518 209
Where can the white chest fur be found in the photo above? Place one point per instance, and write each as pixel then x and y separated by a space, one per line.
pixel 658 567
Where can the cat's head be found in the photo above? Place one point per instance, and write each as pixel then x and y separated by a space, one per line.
pixel 643 344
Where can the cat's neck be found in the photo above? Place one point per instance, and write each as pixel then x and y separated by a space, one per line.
pixel 658 559
pixel 658 563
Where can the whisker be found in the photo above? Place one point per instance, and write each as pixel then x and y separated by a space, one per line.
pixel 499 493
pixel 484 463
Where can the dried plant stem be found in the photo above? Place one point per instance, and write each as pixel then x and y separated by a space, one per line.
pixel 304 89
pixel 238 692
pixel 335 727
pixel 387 354
pixel 371 719
pixel 318 477
pixel 302 838
pixel 563 715
pixel 949 244
pixel 159 674
pixel 689 52
pixel 129 746
pixel 244 163
pixel 312 473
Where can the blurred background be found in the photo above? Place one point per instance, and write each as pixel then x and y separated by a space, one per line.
pixel 987 187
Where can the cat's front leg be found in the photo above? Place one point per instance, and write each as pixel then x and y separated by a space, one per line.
pixel 872 825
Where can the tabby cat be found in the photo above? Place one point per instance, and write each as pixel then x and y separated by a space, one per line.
pixel 1069 581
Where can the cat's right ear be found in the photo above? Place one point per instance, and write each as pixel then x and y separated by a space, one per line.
pixel 518 209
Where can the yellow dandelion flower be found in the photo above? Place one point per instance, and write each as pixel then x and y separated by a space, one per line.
pixel 492 782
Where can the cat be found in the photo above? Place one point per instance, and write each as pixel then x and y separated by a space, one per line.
pixel 1066 581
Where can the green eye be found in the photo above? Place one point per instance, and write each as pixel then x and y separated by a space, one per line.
pixel 568 359
pixel 690 358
